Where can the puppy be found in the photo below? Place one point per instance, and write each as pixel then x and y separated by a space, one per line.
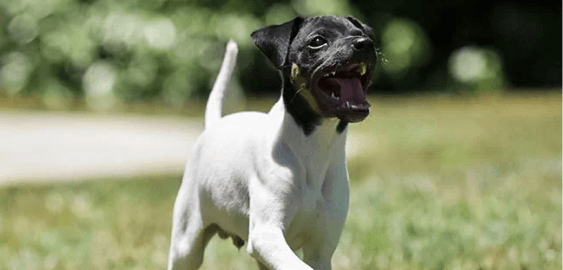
pixel 278 180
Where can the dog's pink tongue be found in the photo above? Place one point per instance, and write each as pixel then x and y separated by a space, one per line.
pixel 351 91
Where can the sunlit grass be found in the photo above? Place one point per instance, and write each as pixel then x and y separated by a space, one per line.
pixel 437 183
pixel 96 225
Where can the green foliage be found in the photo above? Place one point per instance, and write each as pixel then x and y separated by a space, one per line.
pixel 109 52
pixel 129 50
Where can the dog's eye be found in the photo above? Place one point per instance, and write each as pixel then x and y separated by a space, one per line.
pixel 317 42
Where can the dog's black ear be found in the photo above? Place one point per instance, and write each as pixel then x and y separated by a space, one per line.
pixel 274 40
pixel 367 30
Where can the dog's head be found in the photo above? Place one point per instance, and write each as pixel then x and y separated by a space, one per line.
pixel 328 61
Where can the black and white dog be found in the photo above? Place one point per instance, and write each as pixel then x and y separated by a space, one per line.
pixel 278 180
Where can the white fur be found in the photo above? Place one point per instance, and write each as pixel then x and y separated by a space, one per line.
pixel 257 176
pixel 214 108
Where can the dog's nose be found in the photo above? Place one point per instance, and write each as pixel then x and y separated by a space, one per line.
pixel 362 43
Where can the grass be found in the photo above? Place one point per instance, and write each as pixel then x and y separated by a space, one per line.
pixel 436 183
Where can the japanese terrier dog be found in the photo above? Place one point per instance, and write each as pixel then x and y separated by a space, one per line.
pixel 278 181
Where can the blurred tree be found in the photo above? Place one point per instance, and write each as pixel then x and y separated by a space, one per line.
pixel 170 50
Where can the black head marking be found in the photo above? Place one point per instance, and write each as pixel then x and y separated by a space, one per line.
pixel 298 107
pixel 341 126
pixel 364 27
pixel 274 41
pixel 325 64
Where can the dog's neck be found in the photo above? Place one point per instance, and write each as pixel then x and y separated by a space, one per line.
pixel 318 139
pixel 317 150
pixel 307 119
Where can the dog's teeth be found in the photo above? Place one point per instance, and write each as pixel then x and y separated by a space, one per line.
pixel 333 96
pixel 363 68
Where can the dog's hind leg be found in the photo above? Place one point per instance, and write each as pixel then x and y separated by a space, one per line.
pixel 187 253
pixel 189 235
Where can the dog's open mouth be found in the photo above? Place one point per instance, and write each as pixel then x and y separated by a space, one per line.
pixel 346 85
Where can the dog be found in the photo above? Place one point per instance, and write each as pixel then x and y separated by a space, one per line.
pixel 278 181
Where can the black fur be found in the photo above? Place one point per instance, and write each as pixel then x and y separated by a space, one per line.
pixel 341 126
pixel 347 41
pixel 274 41
pixel 297 107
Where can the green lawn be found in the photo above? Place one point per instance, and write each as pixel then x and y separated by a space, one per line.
pixel 436 183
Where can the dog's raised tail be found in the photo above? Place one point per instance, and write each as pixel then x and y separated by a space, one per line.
pixel 214 108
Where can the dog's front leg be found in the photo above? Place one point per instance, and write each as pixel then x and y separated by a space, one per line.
pixel 267 245
pixel 318 250
pixel 269 214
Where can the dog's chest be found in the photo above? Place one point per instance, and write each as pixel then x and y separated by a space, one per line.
pixel 309 223
pixel 323 204
pixel 306 223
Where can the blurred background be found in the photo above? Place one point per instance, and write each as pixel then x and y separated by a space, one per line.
pixel 457 167
pixel 168 51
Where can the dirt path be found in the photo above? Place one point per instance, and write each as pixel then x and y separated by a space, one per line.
pixel 49 146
